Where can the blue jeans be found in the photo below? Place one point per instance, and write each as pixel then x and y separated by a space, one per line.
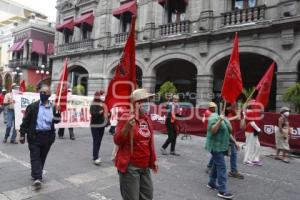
pixel 217 177
pixel 10 116
pixel 97 134
pixel 233 157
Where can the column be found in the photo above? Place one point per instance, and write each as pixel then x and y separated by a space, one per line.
pixel 149 83
pixel 149 27
pixel 284 81
pixel 204 89
pixel 40 60
pixel 94 84
pixel 206 16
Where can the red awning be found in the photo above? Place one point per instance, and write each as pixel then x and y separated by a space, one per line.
pixel 68 24
pixel 87 18
pixel 21 44
pixel 50 49
pixel 126 7
pixel 175 5
pixel 14 46
pixel 38 47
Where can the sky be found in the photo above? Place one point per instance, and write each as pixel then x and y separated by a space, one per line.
pixel 46 7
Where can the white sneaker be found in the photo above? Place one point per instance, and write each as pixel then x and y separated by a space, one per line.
pixel 97 161
pixel 37 184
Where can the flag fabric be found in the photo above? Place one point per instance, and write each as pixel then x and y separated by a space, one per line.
pixel 124 79
pixel 22 87
pixel 264 86
pixel 233 84
pixel 62 88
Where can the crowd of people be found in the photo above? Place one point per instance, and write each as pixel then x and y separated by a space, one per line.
pixel 134 154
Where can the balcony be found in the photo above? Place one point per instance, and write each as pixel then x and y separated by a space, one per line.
pixel 23 62
pixel 243 16
pixel 174 28
pixel 80 45
pixel 121 37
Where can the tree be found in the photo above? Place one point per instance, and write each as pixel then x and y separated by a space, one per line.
pixel 292 95
pixel 78 90
pixel 30 88
pixel 166 91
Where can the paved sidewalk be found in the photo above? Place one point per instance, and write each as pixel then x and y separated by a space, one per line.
pixel 70 173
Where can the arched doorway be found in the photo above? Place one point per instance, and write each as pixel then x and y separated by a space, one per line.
pixel 8 81
pixel 182 74
pixel 253 67
pixel 77 76
pixel 139 75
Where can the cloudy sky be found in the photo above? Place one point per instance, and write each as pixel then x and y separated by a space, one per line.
pixel 46 7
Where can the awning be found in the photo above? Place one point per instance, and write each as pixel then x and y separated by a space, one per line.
pixel 126 7
pixel 14 46
pixel 162 2
pixel 38 47
pixel 68 24
pixel 50 49
pixel 87 18
pixel 21 44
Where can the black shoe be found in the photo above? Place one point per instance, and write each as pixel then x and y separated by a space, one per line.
pixel 226 195
pixel 174 153
pixel 14 142
pixel 5 140
pixel 211 187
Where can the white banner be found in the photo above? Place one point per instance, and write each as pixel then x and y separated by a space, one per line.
pixel 77 114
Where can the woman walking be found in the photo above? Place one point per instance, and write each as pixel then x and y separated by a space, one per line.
pixel 282 135
pixel 98 123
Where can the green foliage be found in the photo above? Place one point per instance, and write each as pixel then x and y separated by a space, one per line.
pixel 30 88
pixel 247 93
pixel 167 90
pixel 78 90
pixel 292 95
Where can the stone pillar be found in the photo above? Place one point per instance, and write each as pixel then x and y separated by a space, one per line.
pixel 77 34
pixel 94 84
pixel 29 50
pixel 284 81
pixel 149 28
pixel 149 83
pixel 204 89
pixel 206 17
pixel 40 60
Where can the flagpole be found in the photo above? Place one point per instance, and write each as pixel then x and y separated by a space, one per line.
pixel 61 85
pixel 249 97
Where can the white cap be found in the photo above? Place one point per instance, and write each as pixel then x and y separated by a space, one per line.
pixel 140 94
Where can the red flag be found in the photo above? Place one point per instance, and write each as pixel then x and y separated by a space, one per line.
pixel 233 84
pixel 124 80
pixel 264 86
pixel 62 88
pixel 22 87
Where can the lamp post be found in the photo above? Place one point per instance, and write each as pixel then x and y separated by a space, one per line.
pixel 18 73
pixel 43 69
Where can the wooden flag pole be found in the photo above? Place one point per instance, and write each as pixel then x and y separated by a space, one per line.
pixel 249 97
pixel 61 85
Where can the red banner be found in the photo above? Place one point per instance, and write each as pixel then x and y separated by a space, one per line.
pixel 192 124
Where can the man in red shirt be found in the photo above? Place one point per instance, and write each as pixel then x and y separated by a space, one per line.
pixel 136 154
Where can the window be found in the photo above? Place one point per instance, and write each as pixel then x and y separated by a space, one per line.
pixel 125 21
pixel 243 4
pixel 174 10
pixel 86 32
pixel 68 36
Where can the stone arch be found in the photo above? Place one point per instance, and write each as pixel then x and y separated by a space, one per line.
pixel 294 61
pixel 111 66
pixel 244 49
pixel 176 55
pixel 78 75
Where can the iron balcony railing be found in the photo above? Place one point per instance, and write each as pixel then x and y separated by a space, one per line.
pixel 78 45
pixel 174 28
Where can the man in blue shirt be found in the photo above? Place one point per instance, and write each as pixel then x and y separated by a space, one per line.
pixel 38 124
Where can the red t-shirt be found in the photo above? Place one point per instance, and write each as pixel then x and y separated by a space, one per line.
pixel 251 116
pixel 143 155
pixel 234 123
pixel 1 99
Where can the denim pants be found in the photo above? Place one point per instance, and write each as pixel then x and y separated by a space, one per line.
pixel 217 177
pixel 97 134
pixel 10 116
pixel 233 157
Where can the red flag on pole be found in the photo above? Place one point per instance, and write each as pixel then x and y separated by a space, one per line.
pixel 264 86
pixel 124 79
pixel 62 89
pixel 22 87
pixel 233 84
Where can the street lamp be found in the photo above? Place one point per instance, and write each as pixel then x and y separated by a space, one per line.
pixel 18 73
pixel 43 69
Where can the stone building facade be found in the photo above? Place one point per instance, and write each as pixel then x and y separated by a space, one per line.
pixel 186 41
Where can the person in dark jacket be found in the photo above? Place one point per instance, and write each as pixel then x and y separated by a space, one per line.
pixel 38 124
pixel 98 123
